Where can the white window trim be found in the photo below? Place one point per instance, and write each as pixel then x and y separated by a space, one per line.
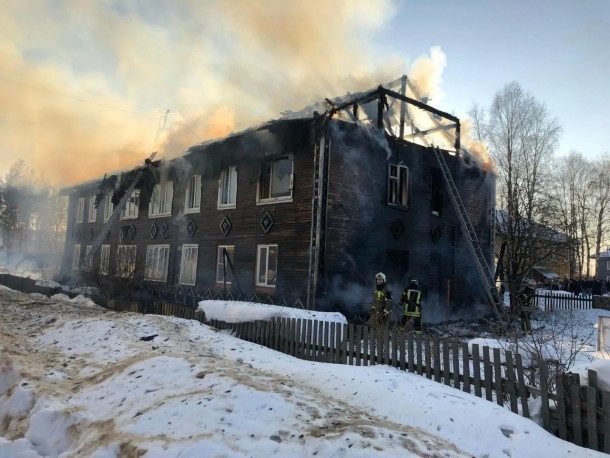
pixel 397 178
pixel 165 188
pixel 80 210
pixel 273 200
pixel 148 270
pixel 108 207
pixel 89 266
pixel 92 215
pixel 188 247
pixel 258 254
pixel 134 207
pixel 120 274
pixel 76 257
pixel 219 262
pixel 227 171
pixel 196 208
pixel 104 259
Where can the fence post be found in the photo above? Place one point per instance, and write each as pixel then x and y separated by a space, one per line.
pixel 522 391
pixel 466 366
pixel 510 373
pixel 498 376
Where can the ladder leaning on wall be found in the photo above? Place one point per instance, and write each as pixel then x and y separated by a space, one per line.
pixel 101 237
pixel 471 238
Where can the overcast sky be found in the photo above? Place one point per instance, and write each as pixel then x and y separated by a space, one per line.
pixel 82 83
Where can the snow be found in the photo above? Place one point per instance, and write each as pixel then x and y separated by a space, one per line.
pixel 77 380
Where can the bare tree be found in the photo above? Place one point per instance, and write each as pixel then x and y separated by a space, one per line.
pixel 522 138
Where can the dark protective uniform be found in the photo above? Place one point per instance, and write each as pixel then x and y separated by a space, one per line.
pixel 410 300
pixel 380 309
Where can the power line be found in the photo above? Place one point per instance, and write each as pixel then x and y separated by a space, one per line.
pixel 16 83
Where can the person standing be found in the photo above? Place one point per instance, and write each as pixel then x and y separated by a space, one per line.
pixel 410 300
pixel 382 300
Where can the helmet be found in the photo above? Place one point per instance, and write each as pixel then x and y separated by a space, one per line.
pixel 380 275
pixel 413 283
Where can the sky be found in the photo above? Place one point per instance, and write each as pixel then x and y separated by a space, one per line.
pixel 79 380
pixel 82 83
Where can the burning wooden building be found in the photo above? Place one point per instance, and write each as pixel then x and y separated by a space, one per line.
pixel 302 211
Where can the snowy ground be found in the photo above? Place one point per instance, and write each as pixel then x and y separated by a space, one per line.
pixel 77 380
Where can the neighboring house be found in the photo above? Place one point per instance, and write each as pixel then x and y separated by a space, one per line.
pixel 306 210
pixel 602 265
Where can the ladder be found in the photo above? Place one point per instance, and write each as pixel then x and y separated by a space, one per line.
pixel 101 237
pixel 312 276
pixel 471 239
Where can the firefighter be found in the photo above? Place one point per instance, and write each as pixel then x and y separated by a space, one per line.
pixel 410 300
pixel 382 300
pixel 525 302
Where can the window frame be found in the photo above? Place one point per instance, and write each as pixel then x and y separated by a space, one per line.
pixel 219 263
pixel 164 189
pixel 80 210
pixel 131 209
pixel 266 247
pixel 260 185
pixel 193 195
pixel 188 247
pixel 104 259
pixel 92 214
pixel 400 189
pixel 108 207
pixel 132 262
pixel 163 262
pixel 89 266
pixel 227 180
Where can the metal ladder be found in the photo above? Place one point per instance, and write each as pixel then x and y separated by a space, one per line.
pixel 472 239
pixel 101 237
pixel 315 205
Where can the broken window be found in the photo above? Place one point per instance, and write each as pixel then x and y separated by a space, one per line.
pixel 227 187
pixel 266 265
pixel 222 265
pixel 276 179
pixel 126 261
pixel 192 201
pixel 104 259
pixel 80 210
pixel 92 210
pixel 108 207
pixel 76 257
pixel 130 210
pixel 161 199
pixel 188 265
pixel 157 261
pixel 398 185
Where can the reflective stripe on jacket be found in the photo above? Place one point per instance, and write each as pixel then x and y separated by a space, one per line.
pixel 412 302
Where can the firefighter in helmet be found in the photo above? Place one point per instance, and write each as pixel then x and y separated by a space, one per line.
pixel 525 304
pixel 410 300
pixel 382 300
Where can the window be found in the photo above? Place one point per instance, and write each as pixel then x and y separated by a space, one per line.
pixel 108 207
pixel 126 261
pixel 192 202
pixel 222 264
pixel 92 210
pixel 157 260
pixel 76 257
pixel 607 265
pixel 89 265
pixel 80 210
pixel 398 185
pixel 436 186
pixel 130 210
pixel 188 266
pixel 276 180
pixel 104 259
pixel 161 199
pixel 227 188
pixel 266 265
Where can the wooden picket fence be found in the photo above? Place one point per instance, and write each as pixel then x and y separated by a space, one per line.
pixel 549 301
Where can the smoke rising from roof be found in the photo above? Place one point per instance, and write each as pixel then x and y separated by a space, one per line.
pixel 85 80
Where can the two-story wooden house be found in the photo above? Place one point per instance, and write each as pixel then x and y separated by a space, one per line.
pixel 302 212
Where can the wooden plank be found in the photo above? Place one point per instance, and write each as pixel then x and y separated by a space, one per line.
pixel 511 389
pixel 395 341
pixel 401 344
pixel 410 351
pixel 606 419
pixel 340 344
pixel 372 345
pixel 446 362
pixel 313 354
pixel 576 411
pixel 498 377
pixel 476 369
pixel 343 337
pixel 436 345
pixel 350 343
pixel 286 335
pixel 332 351
pixel 386 345
pixel 487 368
pixel 544 396
pixel 591 400
pixel 465 367
pixel 561 408
pixel 358 344
pixel 428 356
pixel 326 342
pixel 455 346
pixel 525 411
pixel 418 346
